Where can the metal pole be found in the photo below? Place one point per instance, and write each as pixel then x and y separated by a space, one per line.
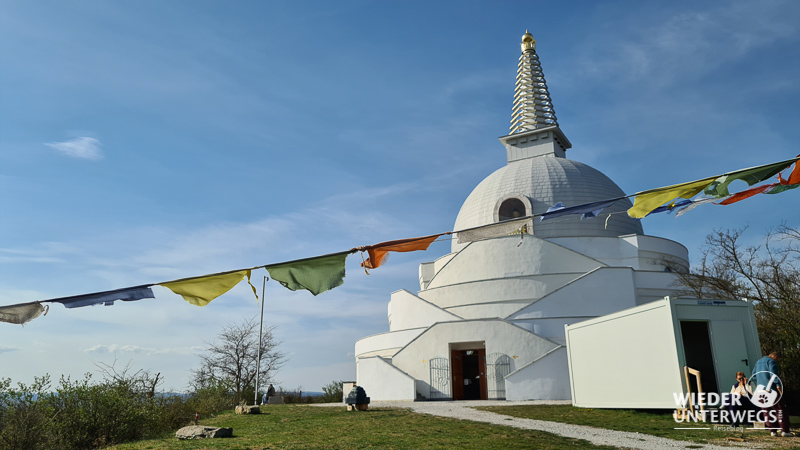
pixel 260 330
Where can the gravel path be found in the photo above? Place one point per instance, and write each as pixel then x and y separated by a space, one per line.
pixel 598 436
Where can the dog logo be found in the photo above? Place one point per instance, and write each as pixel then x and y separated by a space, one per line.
pixel 765 396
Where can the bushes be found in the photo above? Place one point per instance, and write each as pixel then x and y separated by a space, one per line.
pixel 210 400
pixel 85 415
pixel 333 392
pixel 24 419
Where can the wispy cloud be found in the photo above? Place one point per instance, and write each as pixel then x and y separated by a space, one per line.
pixel 687 44
pixel 5 349
pixel 115 348
pixel 80 147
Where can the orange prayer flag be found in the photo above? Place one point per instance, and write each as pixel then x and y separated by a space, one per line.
pixel 794 176
pixel 377 252
pixel 739 196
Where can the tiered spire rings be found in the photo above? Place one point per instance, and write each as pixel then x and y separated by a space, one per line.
pixel 532 105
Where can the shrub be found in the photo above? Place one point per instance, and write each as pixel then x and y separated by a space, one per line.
pixel 84 414
pixel 332 392
pixel 24 417
pixel 210 400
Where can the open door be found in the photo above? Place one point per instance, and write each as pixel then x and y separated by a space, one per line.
pixel 469 374
pixel 482 375
pixel 458 374
pixel 698 354
pixel 730 351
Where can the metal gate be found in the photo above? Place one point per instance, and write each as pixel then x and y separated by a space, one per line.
pixel 440 378
pixel 498 365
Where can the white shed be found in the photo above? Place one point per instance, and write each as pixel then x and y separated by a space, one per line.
pixel 634 358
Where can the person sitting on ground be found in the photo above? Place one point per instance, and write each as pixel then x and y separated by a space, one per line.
pixel 745 392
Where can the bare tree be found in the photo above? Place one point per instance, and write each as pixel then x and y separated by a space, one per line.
pixel 141 381
pixel 230 361
pixel 766 274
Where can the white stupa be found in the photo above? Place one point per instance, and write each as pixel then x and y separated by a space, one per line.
pixel 488 320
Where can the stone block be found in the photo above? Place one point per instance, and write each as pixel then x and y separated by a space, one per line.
pixel 203 432
pixel 361 407
pixel 247 409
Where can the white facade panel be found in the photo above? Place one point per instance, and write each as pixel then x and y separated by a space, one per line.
pixel 383 381
pixel 407 311
pixel 599 292
pixel 642 348
pixel 383 341
pixel 542 379
pixel 625 360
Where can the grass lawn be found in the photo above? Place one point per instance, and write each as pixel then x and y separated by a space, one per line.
pixel 655 423
pixel 295 426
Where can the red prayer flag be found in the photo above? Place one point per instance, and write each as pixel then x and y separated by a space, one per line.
pixel 739 196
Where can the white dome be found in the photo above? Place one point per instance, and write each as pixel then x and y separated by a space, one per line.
pixel 540 183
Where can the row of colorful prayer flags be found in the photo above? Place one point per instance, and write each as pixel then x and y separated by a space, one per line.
pixel 322 273
pixel 716 187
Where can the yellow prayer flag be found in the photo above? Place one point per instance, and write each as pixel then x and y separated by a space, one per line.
pixel 200 291
pixel 647 201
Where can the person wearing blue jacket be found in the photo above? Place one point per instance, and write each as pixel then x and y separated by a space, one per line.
pixel 766 372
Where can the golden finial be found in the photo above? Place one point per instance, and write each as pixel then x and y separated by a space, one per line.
pixel 528 42
pixel 527 37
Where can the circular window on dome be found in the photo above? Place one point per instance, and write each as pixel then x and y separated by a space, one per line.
pixel 511 208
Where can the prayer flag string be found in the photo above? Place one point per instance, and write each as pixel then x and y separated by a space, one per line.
pixel 322 273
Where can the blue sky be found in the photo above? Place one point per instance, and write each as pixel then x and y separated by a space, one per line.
pixel 151 140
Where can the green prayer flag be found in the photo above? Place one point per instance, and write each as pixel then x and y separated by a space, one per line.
pixel 781 188
pixel 316 275
pixel 719 188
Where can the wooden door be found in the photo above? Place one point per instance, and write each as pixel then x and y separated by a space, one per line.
pixel 458 374
pixel 482 369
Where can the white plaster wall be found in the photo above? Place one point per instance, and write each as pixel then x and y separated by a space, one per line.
pixel 407 311
pixel 499 257
pixel 654 244
pixel 498 290
pixel 603 291
pixel 384 352
pixel 383 381
pixel 429 269
pixel 550 328
pixel 637 251
pixel 627 359
pixel 652 286
pixel 542 379
pixel 384 341
pixel 489 309
pixel 498 336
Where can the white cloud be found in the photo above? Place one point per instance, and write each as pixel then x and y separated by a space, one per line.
pixel 670 49
pixel 80 147
pixel 114 348
pixel 5 349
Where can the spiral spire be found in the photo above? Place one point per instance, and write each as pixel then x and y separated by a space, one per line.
pixel 532 105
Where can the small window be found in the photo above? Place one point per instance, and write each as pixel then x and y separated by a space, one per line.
pixel 511 209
